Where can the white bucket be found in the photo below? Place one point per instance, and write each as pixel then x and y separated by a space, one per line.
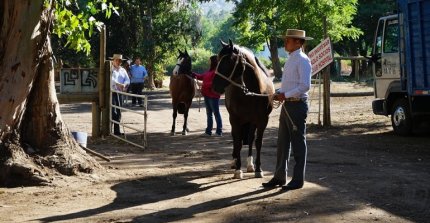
pixel 81 138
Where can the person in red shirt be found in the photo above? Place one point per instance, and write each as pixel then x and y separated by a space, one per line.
pixel 211 98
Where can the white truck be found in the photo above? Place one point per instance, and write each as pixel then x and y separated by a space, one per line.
pixel 401 66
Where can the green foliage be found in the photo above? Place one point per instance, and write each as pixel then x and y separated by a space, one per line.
pixel 258 20
pixel 75 20
pixel 217 26
pixel 368 14
pixel 200 58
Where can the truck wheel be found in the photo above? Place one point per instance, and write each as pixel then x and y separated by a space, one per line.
pixel 401 118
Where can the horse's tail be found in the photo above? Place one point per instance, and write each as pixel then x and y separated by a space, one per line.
pixel 181 108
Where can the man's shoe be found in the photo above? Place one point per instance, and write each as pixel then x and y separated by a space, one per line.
pixel 292 186
pixel 274 183
pixel 118 134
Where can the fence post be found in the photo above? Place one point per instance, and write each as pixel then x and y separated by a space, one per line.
pixel 106 105
pixel 96 119
pixel 357 70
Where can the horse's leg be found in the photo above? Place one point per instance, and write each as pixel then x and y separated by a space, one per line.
pixel 251 136
pixel 258 145
pixel 175 114
pixel 237 147
pixel 184 128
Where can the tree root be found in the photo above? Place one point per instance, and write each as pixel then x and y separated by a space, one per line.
pixel 21 169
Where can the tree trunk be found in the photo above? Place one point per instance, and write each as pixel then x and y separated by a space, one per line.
pixel 150 53
pixel 273 47
pixel 33 138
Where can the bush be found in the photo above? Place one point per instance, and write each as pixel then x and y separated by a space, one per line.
pixel 200 58
pixel 268 63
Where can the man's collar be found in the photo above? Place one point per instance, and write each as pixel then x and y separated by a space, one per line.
pixel 298 51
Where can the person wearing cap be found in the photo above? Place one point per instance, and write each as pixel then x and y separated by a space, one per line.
pixel 296 81
pixel 119 82
pixel 138 74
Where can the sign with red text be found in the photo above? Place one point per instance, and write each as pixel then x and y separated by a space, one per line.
pixel 321 56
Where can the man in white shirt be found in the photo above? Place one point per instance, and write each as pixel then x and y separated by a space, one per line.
pixel 296 81
pixel 119 82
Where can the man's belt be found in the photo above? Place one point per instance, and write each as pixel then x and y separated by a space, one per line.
pixel 295 99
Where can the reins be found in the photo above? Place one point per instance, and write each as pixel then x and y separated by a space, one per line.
pixel 246 91
pixel 275 104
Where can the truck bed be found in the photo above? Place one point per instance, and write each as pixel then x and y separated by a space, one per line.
pixel 415 17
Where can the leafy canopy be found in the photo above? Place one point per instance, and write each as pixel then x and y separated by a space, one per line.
pixel 259 20
pixel 76 20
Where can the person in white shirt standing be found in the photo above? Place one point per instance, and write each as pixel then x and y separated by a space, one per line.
pixel 296 81
pixel 119 82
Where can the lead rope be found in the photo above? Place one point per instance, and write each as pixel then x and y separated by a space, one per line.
pixel 199 89
pixel 246 91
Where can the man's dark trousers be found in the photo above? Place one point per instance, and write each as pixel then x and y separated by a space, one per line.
pixel 295 139
pixel 136 88
pixel 116 113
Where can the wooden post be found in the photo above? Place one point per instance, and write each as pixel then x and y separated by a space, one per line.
pixel 106 95
pixel 96 120
pixel 326 86
pixel 357 70
pixel 102 85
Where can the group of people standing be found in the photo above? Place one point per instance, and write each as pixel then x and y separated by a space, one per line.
pixel 125 78
pixel 296 79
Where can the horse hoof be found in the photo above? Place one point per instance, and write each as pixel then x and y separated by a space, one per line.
pixel 233 164
pixel 172 133
pixel 259 175
pixel 238 174
pixel 184 133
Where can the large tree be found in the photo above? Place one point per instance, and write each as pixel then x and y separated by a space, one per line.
pixel 34 140
pixel 261 21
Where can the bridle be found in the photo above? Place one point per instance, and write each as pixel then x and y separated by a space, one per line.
pixel 242 85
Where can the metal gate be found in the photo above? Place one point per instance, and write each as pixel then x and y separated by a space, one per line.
pixel 139 137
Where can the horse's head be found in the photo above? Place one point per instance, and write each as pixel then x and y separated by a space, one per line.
pixel 227 70
pixel 183 66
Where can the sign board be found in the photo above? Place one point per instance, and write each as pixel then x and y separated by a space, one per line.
pixel 321 56
pixel 78 80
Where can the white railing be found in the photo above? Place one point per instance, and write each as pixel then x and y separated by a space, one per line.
pixel 144 143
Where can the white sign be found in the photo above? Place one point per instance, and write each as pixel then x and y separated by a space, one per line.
pixel 78 80
pixel 321 56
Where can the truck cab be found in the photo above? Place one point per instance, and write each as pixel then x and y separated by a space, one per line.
pixel 401 66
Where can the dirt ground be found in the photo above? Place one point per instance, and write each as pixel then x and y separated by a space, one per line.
pixel 358 171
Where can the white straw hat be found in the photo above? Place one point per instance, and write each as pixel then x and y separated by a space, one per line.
pixel 296 33
pixel 117 56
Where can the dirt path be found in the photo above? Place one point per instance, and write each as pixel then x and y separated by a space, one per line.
pixel 358 171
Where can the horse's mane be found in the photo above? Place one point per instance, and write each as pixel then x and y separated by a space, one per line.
pixel 261 72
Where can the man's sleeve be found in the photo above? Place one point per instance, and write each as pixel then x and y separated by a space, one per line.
pixel 113 81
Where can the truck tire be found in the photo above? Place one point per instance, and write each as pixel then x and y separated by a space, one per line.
pixel 401 118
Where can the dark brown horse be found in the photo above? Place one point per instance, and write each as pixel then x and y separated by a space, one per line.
pixel 248 91
pixel 182 89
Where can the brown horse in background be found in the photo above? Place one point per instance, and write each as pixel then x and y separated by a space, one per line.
pixel 248 89
pixel 182 89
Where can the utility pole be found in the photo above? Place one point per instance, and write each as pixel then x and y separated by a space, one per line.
pixel 326 86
